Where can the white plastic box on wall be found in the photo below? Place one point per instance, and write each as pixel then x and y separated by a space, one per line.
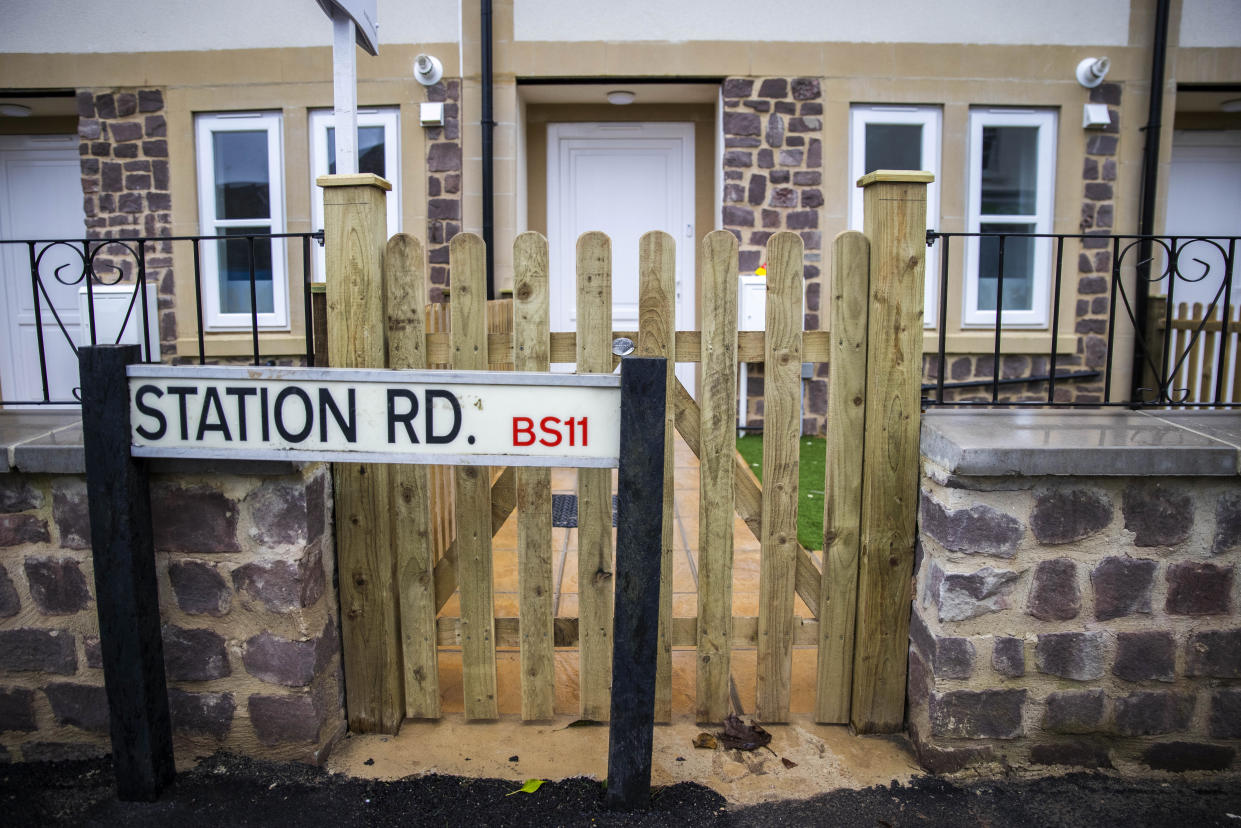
pixel 112 303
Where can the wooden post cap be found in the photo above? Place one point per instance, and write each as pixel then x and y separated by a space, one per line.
pixel 357 180
pixel 896 176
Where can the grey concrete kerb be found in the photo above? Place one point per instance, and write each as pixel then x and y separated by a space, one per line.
pixel 1004 443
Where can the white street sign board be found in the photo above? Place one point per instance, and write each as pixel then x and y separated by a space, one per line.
pixel 364 17
pixel 343 415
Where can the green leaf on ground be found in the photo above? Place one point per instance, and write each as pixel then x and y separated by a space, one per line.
pixel 531 786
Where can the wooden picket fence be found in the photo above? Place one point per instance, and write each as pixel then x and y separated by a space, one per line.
pixel 858 597
pixel 1197 367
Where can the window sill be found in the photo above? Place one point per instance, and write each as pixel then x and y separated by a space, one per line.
pixel 1012 342
pixel 241 344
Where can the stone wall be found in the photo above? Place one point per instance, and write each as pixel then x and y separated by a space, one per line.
pixel 251 650
pixel 773 180
pixel 443 184
pixel 1086 621
pixel 124 160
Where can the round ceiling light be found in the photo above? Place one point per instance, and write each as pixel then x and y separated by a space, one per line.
pixel 10 110
pixel 620 97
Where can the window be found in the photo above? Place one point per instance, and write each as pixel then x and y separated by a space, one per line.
pixel 241 192
pixel 897 138
pixel 378 152
pixel 1011 170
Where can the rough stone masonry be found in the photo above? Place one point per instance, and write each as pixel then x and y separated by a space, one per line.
pixel 251 649
pixel 1085 621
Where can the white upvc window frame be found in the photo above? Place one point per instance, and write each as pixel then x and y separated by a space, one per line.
pixel 1046 120
pixel 930 118
pixel 205 126
pixel 389 118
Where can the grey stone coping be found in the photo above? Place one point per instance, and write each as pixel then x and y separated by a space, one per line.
pixel 50 442
pixel 1005 442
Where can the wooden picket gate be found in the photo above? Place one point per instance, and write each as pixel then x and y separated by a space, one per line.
pixel 860 596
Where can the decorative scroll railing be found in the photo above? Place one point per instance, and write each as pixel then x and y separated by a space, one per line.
pixel 1154 321
pixel 63 293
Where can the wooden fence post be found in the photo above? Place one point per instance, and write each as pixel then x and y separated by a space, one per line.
pixel 640 505
pixel 126 591
pixel 355 232
pixel 895 222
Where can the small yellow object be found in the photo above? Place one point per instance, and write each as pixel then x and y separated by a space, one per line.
pixel 531 786
pixel 762 271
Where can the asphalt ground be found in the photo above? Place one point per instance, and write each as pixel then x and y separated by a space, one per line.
pixel 234 791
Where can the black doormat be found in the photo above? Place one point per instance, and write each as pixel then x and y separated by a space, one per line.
pixel 564 511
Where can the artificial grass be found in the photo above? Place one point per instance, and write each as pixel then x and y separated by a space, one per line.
pixel 812 464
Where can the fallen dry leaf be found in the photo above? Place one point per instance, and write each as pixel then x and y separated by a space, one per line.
pixel 741 736
pixel 788 763
pixel 706 741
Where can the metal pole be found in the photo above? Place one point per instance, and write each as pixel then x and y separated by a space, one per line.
pixel 639 530
pixel 345 90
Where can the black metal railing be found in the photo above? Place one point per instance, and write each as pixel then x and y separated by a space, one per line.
pixel 92 266
pixel 1127 327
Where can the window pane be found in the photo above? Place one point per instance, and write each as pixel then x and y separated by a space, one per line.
pixel 234 257
pixel 1018 267
pixel 1009 170
pixel 241 183
pixel 893 147
pixel 370 150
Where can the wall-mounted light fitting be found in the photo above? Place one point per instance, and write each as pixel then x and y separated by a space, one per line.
pixel 620 97
pixel 428 70
pixel 1092 71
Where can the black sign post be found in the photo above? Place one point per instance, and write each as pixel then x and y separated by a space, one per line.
pixel 639 531
pixel 126 592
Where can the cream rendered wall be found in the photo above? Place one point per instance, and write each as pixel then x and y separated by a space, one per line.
pixel 203 25
pixel 1062 22
pixel 1210 23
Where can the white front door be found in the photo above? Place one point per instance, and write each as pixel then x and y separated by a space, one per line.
pixel 1204 199
pixel 623 179
pixel 40 198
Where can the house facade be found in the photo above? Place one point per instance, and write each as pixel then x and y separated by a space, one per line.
pixel 184 119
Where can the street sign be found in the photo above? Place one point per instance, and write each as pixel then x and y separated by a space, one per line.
pixel 345 415
pixel 365 20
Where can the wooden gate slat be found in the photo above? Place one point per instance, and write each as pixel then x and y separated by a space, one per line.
pixel 842 508
pixel 404 276
pixel 594 486
pixel 748 494
pixel 781 435
pixel 473 489
pixel 531 352
pixel 657 338
pixel 716 508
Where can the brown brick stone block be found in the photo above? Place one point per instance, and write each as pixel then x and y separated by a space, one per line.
pixel 1153 712
pixel 1080 753
pixel 738 216
pixel 738 158
pixel 199 588
pixel 1068 515
pixel 283 719
pixel 1198 588
pixel 10 603
pixel 985 714
pixel 57 585
pixel 32 650
pixel 977 530
pixel 1157 514
pixel 79 705
pixel 1188 756
pixel 150 100
pixel 17 710
pixel 291 663
pixel 17 494
pixel 209 714
pixel 774 134
pixel 1122 586
pixel 1074 711
pixel 1227 523
pixel 194 519
pixel 70 513
pixel 1148 655
pixel 806 89
pixel 774 88
pixel 123 131
pixel 194 654
pixel 1054 594
pixel 282 585
pixel 742 123
pixel 1008 656
pixel 738 87
pixel 1071 655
